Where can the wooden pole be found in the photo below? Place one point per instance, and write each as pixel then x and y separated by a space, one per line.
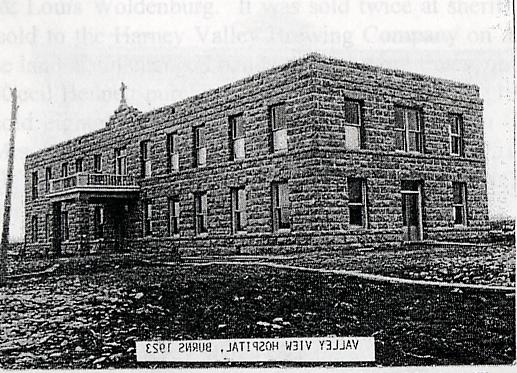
pixel 8 191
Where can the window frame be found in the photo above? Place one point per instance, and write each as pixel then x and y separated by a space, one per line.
pixel 65 226
pixel 201 211
pixel 278 209
pixel 97 163
pixel 98 222
pixel 235 137
pixel 173 216
pixel 145 159
pixel 274 129
pixel 34 229
pixel 147 218
pixel 171 144
pixel 121 161
pixel 239 211
pixel 407 131
pixel 363 204
pixel 34 185
pixel 453 118
pixel 48 227
pixel 48 178
pixel 79 165
pixel 359 126
pixel 198 147
pixel 65 169
pixel 463 205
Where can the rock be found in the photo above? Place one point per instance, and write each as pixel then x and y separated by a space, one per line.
pixel 139 296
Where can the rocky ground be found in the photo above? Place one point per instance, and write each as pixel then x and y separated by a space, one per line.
pixel 491 264
pixel 89 314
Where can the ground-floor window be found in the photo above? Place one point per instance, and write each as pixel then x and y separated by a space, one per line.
pixel 201 212
pixel 148 216
pixel 281 206
pixel 65 228
pixel 34 229
pixel 460 203
pixel 48 226
pixel 357 209
pixel 98 222
pixel 174 216
pixel 239 218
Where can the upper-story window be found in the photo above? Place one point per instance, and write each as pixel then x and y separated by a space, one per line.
pixel 145 160
pixel 237 138
pixel 79 165
pixel 353 131
pixel 408 126
pixel 97 163
pixel 64 169
pixel 281 206
pixel 121 161
pixel 456 134
pixel 173 158
pixel 201 212
pixel 357 208
pixel 34 185
pixel 459 192
pixel 278 124
pixel 48 177
pixel 199 146
pixel 239 217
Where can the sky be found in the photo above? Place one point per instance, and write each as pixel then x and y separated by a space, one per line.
pixel 67 59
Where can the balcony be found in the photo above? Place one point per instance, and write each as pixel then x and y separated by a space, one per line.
pixel 93 185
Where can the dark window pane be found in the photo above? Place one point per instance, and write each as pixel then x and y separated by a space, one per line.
pixel 400 140
pixel 458 215
pixel 355 191
pixel 413 122
pixel 457 193
pixel 355 215
pixel 399 118
pixel 352 112
pixel 278 117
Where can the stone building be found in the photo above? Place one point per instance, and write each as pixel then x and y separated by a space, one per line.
pixel 315 154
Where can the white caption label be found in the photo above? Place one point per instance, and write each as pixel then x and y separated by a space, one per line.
pixel 259 349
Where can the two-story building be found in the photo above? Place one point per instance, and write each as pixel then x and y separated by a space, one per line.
pixel 315 154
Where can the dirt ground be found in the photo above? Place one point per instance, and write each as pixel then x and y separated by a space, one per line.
pixel 89 314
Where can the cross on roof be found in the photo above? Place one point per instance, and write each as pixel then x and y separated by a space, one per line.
pixel 123 88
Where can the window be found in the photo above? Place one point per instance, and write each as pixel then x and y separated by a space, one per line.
pixel 120 161
pixel 48 226
pixel 145 150
pixel 459 191
pixel 97 163
pixel 65 231
pixel 48 177
pixel 35 185
pixel 34 231
pixel 98 222
pixel 353 125
pixel 237 139
pixel 278 125
pixel 79 165
pixel 173 158
pixel 357 211
pixel 199 146
pixel 201 213
pixel 408 128
pixel 148 217
pixel 281 206
pixel 64 169
pixel 456 133
pixel 174 216
pixel 239 218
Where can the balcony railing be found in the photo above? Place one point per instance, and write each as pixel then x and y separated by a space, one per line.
pixel 94 181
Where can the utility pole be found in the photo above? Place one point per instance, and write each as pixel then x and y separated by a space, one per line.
pixel 8 189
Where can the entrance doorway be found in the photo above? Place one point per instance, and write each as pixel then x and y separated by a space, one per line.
pixel 412 229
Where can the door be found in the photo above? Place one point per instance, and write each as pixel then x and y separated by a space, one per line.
pixel 411 216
